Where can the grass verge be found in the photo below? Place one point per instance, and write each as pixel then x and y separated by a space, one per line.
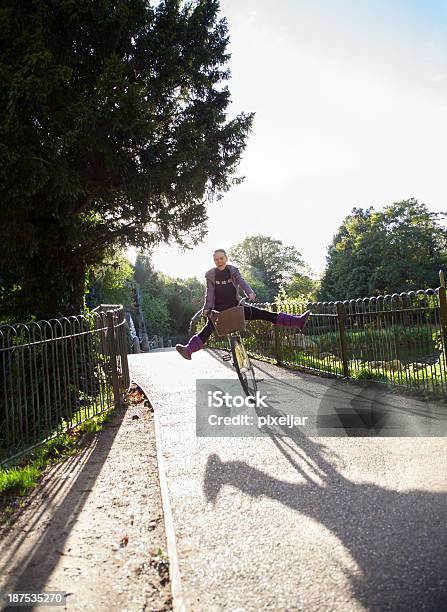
pixel 18 480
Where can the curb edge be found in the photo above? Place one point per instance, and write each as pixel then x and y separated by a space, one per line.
pixel 179 603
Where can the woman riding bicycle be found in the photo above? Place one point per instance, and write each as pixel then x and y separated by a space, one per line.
pixel 222 282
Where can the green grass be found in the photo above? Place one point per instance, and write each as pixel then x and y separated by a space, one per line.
pixel 17 480
pixel 368 374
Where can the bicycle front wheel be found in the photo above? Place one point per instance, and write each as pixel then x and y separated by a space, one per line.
pixel 244 369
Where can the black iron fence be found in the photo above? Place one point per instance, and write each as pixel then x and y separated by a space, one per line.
pixel 399 338
pixel 58 373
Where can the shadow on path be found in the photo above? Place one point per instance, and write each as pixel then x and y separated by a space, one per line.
pixel 32 573
pixel 397 539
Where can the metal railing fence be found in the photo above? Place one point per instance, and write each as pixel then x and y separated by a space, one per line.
pixel 399 338
pixel 57 373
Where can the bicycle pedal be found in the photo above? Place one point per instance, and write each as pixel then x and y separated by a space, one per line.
pixel 226 357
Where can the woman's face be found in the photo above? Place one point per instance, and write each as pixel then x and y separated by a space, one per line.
pixel 220 259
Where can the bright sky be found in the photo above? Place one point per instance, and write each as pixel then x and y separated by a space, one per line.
pixel 351 106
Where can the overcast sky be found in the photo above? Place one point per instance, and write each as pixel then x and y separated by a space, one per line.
pixel 351 110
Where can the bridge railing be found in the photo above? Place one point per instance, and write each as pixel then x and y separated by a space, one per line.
pixel 57 373
pixel 397 338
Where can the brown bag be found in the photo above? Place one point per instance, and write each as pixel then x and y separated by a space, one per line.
pixel 228 321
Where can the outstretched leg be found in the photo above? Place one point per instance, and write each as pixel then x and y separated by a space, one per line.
pixel 282 319
pixel 288 320
pixel 196 342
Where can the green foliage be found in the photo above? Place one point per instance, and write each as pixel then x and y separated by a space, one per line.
pixel 437 340
pixel 298 299
pixel 19 479
pixel 263 293
pixel 114 132
pixel 111 282
pixel 366 373
pixel 146 277
pixel 398 249
pixel 302 286
pixel 168 311
pixel 168 303
pixel 266 261
pixel 180 295
pixel 156 314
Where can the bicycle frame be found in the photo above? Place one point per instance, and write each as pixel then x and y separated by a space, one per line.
pixel 241 359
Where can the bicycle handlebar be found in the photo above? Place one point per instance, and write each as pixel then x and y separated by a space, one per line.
pixel 199 312
pixel 194 317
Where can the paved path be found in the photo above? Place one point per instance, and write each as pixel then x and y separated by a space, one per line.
pixel 298 522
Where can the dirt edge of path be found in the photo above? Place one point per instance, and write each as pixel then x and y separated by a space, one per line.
pixel 94 525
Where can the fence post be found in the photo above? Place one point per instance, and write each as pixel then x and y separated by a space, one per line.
pixel 123 350
pixel 112 357
pixel 145 342
pixel 278 351
pixel 341 331
pixel 443 309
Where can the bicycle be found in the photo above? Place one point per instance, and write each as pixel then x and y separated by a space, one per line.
pixel 238 353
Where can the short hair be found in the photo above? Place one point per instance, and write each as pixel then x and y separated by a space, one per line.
pixel 220 251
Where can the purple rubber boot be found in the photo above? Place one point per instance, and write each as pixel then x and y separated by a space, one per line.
pixel 195 344
pixel 288 320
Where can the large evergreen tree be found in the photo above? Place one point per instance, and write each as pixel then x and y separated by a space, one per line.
pixel 113 131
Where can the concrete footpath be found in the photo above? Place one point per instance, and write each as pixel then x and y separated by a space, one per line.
pixel 297 522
